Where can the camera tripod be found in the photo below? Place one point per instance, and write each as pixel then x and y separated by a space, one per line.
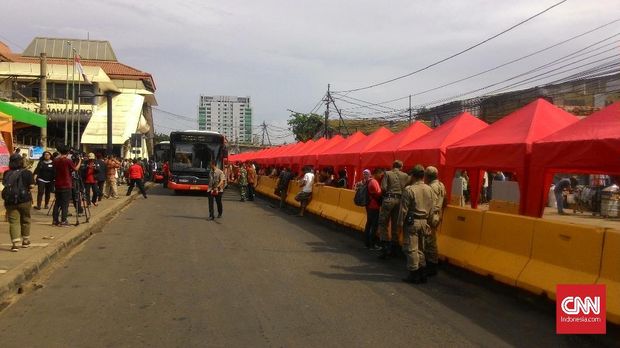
pixel 78 197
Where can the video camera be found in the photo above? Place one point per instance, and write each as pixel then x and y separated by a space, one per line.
pixel 75 155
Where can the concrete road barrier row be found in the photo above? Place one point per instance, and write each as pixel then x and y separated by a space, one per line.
pixel 530 253
pixel 533 254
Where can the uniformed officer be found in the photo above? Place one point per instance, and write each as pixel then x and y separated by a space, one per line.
pixel 439 202
pixel 392 185
pixel 243 182
pixel 416 205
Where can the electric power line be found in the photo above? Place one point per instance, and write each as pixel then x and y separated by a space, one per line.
pixel 455 54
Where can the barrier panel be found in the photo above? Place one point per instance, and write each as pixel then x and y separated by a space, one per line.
pixel 293 190
pixel 459 236
pixel 315 204
pixel 260 184
pixel 610 274
pixel 352 215
pixel 562 254
pixel 505 246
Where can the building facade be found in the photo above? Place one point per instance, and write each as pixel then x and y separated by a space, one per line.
pixel 228 115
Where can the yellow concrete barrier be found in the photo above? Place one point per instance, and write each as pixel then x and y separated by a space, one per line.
pixel 504 207
pixel 610 274
pixel 352 215
pixel 459 236
pixel 260 184
pixel 315 204
pixel 505 246
pixel 562 254
pixel 293 190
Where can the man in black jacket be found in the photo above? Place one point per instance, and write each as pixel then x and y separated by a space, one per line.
pixel 101 175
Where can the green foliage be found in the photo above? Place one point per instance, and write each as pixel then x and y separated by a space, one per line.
pixel 159 137
pixel 305 126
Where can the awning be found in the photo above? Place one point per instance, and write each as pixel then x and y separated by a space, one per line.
pixel 23 115
pixel 126 113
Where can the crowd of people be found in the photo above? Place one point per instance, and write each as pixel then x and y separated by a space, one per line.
pixel 73 177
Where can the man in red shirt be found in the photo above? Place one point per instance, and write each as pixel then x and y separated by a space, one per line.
pixel 136 174
pixel 373 207
pixel 63 166
pixel 89 172
pixel 165 168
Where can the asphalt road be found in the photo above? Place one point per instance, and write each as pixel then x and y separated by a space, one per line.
pixel 160 275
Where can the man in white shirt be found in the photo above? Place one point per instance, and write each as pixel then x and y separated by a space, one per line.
pixel 305 195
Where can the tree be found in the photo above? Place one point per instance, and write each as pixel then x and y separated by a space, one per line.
pixel 305 126
pixel 159 137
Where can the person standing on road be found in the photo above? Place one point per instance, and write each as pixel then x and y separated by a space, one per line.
pixel 17 183
pixel 372 209
pixel 44 177
pixel 165 168
pixel 111 166
pixel 251 181
pixel 90 173
pixel 439 203
pixel 243 181
pixel 136 175
pixel 558 190
pixel 392 185
pixel 305 195
pixel 101 176
pixel 63 185
pixel 415 208
pixel 284 179
pixel 217 180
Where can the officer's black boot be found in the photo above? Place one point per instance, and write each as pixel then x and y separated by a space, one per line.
pixel 385 250
pixel 431 269
pixel 416 277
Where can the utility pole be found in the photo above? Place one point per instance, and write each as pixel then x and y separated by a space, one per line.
pixel 43 97
pixel 265 132
pixel 328 98
pixel 409 108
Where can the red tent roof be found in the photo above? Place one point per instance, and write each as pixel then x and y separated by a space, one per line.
pixel 382 154
pixel 329 157
pixel 507 145
pixel 311 158
pixel 297 158
pixel 430 149
pixel 351 155
pixel 285 158
pixel 591 145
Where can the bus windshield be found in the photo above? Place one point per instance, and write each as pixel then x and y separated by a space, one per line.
pixel 191 157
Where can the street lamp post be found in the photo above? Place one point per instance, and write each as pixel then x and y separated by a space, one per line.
pixel 108 95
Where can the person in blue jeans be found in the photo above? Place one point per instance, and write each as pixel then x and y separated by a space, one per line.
pixel 373 207
pixel 563 184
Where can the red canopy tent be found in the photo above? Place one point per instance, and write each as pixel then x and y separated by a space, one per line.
pixel 285 158
pixel 430 149
pixel 275 158
pixel 330 156
pixel 591 146
pixel 310 159
pixel 506 145
pixel 382 155
pixel 266 158
pixel 297 159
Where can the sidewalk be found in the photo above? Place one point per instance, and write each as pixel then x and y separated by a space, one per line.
pixel 50 242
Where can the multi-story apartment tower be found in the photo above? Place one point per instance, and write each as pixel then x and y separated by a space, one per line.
pixel 228 115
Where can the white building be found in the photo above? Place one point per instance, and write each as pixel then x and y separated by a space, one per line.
pixel 228 115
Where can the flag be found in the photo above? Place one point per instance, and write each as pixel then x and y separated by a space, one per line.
pixel 80 68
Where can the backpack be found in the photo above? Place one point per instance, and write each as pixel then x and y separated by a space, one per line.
pixel 361 198
pixel 14 191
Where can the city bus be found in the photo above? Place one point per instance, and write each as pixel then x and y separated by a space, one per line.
pixel 191 153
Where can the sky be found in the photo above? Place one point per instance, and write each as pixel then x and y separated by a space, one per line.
pixel 283 54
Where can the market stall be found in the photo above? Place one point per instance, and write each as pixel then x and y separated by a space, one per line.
pixel 590 146
pixel 382 155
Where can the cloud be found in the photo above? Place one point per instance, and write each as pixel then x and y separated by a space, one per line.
pixel 284 53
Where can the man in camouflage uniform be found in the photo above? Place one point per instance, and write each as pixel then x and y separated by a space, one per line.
pixel 392 185
pixel 416 205
pixel 243 181
pixel 439 202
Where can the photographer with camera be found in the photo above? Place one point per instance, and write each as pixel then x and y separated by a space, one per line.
pixel 90 172
pixel 64 167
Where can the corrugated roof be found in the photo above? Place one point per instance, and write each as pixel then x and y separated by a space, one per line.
pixel 60 48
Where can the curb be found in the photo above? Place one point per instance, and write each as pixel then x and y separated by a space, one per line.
pixel 32 266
